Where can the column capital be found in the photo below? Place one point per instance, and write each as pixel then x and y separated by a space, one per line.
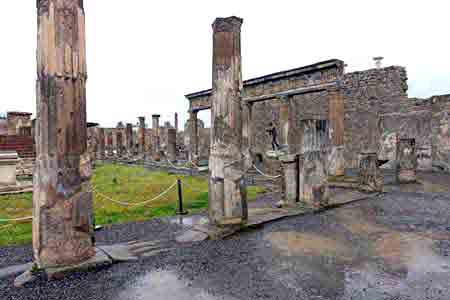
pixel 230 24
pixel 156 116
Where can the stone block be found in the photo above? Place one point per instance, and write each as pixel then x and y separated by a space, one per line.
pixel 8 165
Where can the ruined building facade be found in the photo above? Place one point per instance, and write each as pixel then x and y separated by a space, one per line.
pixel 377 111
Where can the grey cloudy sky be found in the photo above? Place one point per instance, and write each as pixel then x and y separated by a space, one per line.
pixel 144 56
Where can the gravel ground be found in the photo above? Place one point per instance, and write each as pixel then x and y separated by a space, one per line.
pixel 396 246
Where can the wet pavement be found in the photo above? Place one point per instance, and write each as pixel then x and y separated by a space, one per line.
pixel 393 246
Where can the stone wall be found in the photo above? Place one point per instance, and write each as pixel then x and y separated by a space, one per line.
pixel 17 122
pixel 367 95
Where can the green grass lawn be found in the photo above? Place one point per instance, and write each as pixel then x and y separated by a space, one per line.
pixel 120 183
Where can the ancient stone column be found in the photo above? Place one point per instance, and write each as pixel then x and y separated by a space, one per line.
pixel 176 122
pixel 141 135
pixel 101 143
pixel 313 163
pixel 370 178
pixel 156 138
pixel 119 143
pixel 172 144
pixel 336 119
pixel 129 138
pixel 406 161
pixel 284 123
pixel 290 177
pixel 227 188
pixel 193 137
pixel 62 201
pixel 110 147
pixel 247 135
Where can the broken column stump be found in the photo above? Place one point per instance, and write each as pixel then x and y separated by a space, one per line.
pixel 172 144
pixel 406 161
pixel 370 178
pixel 290 177
pixel 313 163
pixel 62 198
pixel 227 187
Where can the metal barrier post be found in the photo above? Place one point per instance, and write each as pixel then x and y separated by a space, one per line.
pixel 180 199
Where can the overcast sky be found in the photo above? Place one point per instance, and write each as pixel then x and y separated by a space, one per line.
pixel 144 56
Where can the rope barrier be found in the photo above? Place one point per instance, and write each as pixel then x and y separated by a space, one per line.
pixel 265 175
pixel 15 220
pixel 135 204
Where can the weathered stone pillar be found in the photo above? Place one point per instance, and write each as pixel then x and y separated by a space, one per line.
pixel 62 201
pixel 119 143
pixel 101 143
pixel 141 135
pixel 313 162
pixel 370 178
pixel 227 190
pixel 406 161
pixel 193 136
pixel 284 123
pixel 176 122
pixel 336 119
pixel 129 138
pixel 172 144
pixel 110 147
pixel 247 135
pixel 156 138
pixel 290 177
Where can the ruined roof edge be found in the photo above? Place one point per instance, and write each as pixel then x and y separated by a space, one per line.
pixel 282 74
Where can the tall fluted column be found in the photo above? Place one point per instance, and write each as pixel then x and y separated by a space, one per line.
pixel 62 224
pixel 227 188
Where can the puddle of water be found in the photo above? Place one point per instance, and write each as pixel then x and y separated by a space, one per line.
pixel 165 285
pixel 296 243
pixel 189 220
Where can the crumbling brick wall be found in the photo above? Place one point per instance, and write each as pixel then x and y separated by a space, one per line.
pixel 367 95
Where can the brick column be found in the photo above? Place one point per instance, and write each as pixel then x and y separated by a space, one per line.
pixel 62 201
pixel 247 134
pixel 336 119
pixel 193 137
pixel 129 138
pixel 110 147
pixel 284 123
pixel 370 178
pixel 101 143
pixel 172 144
pixel 156 138
pixel 141 135
pixel 406 161
pixel 119 143
pixel 227 188
pixel 313 162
